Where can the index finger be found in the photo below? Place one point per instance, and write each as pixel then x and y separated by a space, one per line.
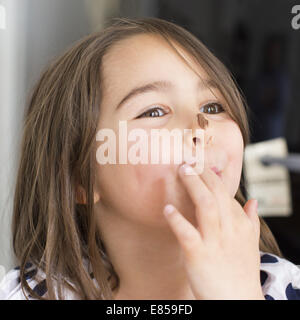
pixel 206 207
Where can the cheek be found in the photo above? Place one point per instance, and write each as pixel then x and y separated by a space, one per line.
pixel 150 182
pixel 157 185
pixel 138 192
pixel 232 140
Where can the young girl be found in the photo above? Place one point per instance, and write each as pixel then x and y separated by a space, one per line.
pixel 84 230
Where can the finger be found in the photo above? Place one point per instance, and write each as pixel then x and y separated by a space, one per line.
pixel 216 186
pixel 187 235
pixel 251 210
pixel 214 183
pixel 205 204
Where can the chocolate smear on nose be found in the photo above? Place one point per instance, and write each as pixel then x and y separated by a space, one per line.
pixel 202 121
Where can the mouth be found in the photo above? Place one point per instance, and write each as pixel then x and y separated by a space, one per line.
pixel 216 171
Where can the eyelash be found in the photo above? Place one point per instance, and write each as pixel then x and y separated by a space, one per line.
pixel 205 106
pixel 150 110
pixel 219 105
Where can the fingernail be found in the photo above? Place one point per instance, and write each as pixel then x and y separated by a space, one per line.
pixel 168 209
pixel 186 169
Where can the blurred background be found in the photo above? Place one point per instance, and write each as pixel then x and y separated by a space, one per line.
pixel 256 40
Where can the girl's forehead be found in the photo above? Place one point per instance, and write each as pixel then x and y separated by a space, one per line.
pixel 144 55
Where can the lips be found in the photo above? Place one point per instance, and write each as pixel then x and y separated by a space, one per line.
pixel 217 171
pixel 213 168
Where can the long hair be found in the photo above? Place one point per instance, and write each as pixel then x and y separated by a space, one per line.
pixel 50 229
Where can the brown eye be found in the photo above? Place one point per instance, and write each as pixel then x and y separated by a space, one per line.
pixel 212 108
pixel 153 113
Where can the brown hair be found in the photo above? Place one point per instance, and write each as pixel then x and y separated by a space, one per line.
pixel 50 229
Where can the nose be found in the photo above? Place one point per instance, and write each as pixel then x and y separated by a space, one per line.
pixel 196 140
pixel 197 143
pixel 201 122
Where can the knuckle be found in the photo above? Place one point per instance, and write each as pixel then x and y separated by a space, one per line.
pixel 248 225
pixel 210 203
pixel 191 241
pixel 209 210
pixel 244 227
pixel 206 202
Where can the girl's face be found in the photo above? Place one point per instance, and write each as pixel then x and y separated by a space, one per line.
pixel 138 192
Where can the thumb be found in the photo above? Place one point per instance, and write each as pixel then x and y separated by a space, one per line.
pixel 251 209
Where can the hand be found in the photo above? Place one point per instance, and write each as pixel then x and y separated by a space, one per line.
pixel 221 255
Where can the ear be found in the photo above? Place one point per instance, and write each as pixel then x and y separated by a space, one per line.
pixel 81 196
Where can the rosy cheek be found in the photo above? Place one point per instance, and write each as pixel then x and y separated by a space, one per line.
pixel 235 147
pixel 232 140
pixel 142 174
pixel 147 174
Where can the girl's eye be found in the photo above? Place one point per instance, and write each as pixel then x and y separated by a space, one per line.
pixel 153 113
pixel 212 108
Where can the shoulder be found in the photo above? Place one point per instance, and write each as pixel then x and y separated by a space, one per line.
pixel 10 286
pixel 280 278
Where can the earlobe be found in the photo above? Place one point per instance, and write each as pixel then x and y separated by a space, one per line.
pixel 96 197
pixel 81 196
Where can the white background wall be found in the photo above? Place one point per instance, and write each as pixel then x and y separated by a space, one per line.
pixel 12 66
pixel 36 31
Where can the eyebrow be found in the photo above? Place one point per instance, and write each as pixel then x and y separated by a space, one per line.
pixel 162 85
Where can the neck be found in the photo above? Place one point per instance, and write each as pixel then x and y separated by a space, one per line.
pixel 148 261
